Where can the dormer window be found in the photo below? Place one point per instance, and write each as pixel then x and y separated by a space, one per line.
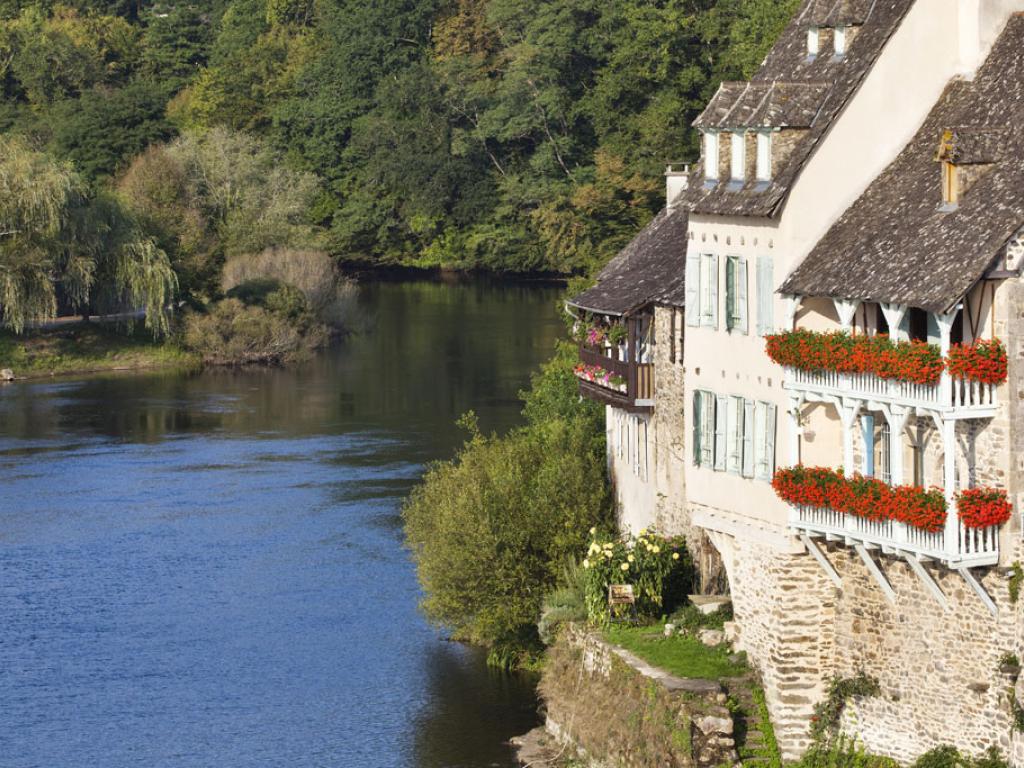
pixel 711 160
pixel 965 155
pixel 950 185
pixel 739 157
pixel 840 42
pixel 813 42
pixel 764 155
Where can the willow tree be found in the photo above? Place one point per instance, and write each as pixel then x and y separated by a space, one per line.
pixel 54 237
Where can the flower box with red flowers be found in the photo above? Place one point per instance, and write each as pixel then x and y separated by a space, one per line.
pixel 982 361
pixel 983 507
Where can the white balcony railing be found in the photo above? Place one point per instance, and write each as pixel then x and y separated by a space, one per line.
pixel 954 397
pixel 969 547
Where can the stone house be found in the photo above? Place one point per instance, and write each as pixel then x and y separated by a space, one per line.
pixel 868 180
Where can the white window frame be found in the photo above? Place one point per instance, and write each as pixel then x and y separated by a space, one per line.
pixel 738 157
pixel 813 41
pixel 839 38
pixel 883 465
pixel 712 159
pixel 764 155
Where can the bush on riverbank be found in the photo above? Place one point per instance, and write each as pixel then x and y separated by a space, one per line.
pixel 491 529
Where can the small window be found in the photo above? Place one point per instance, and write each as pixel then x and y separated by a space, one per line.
pixel 711 156
pixel 739 156
pixel 813 42
pixel 764 156
pixel 883 459
pixel 950 185
pixel 840 41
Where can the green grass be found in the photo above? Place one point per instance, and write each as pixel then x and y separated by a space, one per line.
pixel 680 655
pixel 85 348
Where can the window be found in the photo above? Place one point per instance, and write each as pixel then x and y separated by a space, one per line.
pixel 867 423
pixel 883 459
pixel 731 434
pixel 630 442
pixel 813 42
pixel 711 159
pixel 840 41
pixel 764 156
pixel 736 294
pixel 702 290
pixel 950 184
pixel 765 296
pixel 739 156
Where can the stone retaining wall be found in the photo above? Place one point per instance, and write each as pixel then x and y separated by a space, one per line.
pixel 611 708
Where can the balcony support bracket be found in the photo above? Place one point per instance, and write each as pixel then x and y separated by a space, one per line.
pixel 876 572
pixel 927 580
pixel 979 590
pixel 846 309
pixel 823 561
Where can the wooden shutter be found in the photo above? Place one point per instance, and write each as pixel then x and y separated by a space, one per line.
pixel 730 293
pixel 748 438
pixel 713 277
pixel 769 443
pixel 721 431
pixel 765 321
pixel 693 289
pixel 760 438
pixel 741 295
pixel 698 412
pixel 734 460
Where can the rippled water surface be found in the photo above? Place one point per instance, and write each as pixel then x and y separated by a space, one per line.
pixel 206 570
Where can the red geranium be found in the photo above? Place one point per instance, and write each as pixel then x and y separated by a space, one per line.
pixel 983 361
pixel 983 507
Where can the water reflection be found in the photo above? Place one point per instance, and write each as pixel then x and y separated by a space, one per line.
pixel 206 569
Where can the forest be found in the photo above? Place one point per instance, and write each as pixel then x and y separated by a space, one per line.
pixel 147 146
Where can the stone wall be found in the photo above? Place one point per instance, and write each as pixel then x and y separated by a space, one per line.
pixel 611 709
pixel 939 670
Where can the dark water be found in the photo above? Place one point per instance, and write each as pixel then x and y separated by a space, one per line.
pixel 207 570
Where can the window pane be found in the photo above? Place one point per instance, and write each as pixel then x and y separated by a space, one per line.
pixel 711 159
pixel 764 156
pixel 739 157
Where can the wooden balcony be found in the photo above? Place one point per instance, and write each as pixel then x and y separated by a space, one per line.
pixel 956 546
pixel 635 395
pixel 951 398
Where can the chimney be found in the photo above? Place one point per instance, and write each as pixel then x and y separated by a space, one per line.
pixel 676 182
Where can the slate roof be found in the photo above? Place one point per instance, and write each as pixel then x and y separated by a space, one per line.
pixel 972 146
pixel 786 66
pixel 650 270
pixel 764 105
pixel 896 243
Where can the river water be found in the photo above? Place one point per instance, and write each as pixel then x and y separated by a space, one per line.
pixel 207 569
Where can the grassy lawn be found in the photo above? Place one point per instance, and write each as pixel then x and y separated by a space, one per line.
pixel 681 655
pixel 84 348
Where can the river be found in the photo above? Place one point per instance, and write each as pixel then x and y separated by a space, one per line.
pixel 207 569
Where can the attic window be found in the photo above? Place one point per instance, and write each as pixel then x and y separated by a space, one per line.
pixel 950 185
pixel 813 42
pixel 739 157
pixel 764 155
pixel 840 42
pixel 711 161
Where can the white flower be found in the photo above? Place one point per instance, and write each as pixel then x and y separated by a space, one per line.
pixel 624 566
pixel 655 549
pixel 586 563
pixel 631 559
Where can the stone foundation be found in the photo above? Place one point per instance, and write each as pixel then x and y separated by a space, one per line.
pixel 939 670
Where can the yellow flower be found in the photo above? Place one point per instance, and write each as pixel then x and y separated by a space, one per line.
pixel 631 559
pixel 593 530
pixel 643 531
pixel 586 563
pixel 608 554
pixel 675 555
pixel 624 566
pixel 655 549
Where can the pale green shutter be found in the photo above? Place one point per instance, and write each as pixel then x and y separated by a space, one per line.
pixel 714 291
pixel 765 321
pixel 748 438
pixel 692 289
pixel 769 443
pixel 721 431
pixel 698 412
pixel 741 295
pixel 735 444
pixel 730 293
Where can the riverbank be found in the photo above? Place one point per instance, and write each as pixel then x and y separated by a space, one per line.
pixel 87 348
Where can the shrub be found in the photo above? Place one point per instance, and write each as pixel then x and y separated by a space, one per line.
pixel 234 334
pixel 689 619
pixel 843 752
pixel 647 562
pixel 566 603
pixel 489 529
